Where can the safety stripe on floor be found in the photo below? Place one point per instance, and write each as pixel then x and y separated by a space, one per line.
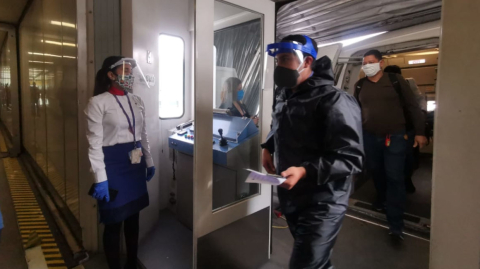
pixel 30 217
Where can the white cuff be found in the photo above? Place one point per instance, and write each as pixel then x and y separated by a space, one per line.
pixel 100 176
pixel 149 162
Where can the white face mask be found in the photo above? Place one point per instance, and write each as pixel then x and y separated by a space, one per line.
pixel 371 69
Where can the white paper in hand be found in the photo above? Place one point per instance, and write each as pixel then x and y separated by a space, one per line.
pixel 261 178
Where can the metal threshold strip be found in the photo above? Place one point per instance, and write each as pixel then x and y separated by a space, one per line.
pixel 414 225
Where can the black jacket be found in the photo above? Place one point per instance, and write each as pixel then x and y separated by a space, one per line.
pixel 234 111
pixel 318 127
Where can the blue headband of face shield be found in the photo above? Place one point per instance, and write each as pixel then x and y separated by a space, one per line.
pixel 287 47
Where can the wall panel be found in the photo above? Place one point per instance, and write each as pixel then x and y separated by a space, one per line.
pixel 48 63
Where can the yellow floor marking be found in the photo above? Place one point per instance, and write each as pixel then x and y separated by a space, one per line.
pixel 27 218
pixel 48 250
pixel 55 262
pixel 40 231
pixel 30 217
pixel 32 223
pixel 40 235
pixel 34 226
pixel 53 255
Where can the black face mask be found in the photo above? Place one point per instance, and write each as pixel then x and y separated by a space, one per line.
pixel 285 77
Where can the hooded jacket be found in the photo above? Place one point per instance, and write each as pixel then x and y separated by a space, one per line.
pixel 318 127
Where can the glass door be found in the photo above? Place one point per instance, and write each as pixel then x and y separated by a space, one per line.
pixel 231 218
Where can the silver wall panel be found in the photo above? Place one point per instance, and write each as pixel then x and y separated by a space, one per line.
pixel 48 63
pixel 150 18
pixel 455 201
pixel 9 105
pixel 106 15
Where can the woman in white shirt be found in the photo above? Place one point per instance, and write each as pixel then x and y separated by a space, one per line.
pixel 120 156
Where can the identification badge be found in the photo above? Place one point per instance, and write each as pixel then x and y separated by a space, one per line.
pixel 135 155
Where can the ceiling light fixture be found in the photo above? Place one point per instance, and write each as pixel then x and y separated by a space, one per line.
pixel 40 62
pixel 60 23
pixel 350 41
pixel 51 55
pixel 419 61
pixel 423 53
pixel 58 43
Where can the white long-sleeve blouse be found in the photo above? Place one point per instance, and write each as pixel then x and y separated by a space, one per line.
pixel 108 126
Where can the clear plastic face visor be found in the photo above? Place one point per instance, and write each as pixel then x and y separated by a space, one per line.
pixel 286 54
pixel 286 57
pixel 129 67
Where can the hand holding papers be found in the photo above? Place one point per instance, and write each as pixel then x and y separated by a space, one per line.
pixel 261 178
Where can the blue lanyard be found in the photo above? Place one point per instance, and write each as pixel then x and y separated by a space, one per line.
pixel 128 119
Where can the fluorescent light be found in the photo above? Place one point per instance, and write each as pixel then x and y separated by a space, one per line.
pixel 58 43
pixel 52 55
pixel 348 42
pixel 419 61
pixel 60 23
pixel 45 54
pixel 40 62
pixel 423 53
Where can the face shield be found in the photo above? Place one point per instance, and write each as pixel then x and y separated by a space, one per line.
pixel 289 59
pixel 126 70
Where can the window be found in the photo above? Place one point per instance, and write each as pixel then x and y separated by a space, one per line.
pixel 171 84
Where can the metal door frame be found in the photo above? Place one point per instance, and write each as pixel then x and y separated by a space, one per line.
pixel 205 220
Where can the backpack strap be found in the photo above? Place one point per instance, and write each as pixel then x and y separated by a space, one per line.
pixel 398 88
pixel 396 85
pixel 358 88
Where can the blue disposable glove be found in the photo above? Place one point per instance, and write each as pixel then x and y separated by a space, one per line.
pixel 150 172
pixel 1 221
pixel 100 191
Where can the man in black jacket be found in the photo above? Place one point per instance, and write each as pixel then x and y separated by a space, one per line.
pixel 316 140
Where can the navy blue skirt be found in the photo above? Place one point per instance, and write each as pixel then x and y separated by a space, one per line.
pixel 128 179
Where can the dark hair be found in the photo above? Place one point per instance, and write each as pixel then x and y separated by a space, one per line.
pixel 393 69
pixel 232 86
pixel 102 81
pixel 303 40
pixel 375 53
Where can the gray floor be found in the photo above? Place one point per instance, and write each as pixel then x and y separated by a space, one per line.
pixel 360 245
pixel 418 203
pixel 11 249
pixel 170 245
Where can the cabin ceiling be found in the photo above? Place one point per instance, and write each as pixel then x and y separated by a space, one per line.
pixel 335 20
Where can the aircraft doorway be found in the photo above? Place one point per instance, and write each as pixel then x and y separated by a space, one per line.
pixel 419 68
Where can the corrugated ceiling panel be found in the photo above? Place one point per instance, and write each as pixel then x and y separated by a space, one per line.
pixel 333 20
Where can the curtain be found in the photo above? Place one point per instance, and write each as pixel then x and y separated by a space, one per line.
pixel 239 47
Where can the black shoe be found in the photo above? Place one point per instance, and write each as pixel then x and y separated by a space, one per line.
pixel 379 207
pixel 409 187
pixel 396 237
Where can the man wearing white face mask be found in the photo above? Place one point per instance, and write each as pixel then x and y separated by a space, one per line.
pixel 389 109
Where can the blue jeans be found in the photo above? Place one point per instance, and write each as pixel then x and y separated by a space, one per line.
pixel 411 162
pixel 386 164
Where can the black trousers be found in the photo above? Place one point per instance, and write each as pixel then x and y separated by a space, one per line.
pixel 111 242
pixel 314 229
